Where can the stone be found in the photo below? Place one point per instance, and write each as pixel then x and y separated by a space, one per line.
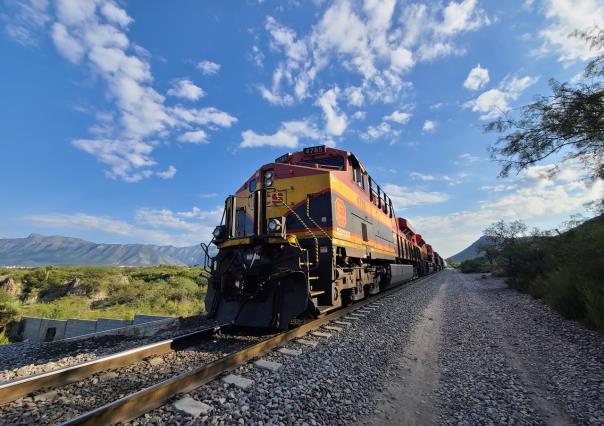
pixel 320 334
pixel 239 381
pixel 8 284
pixel 156 361
pixel 331 327
pixel 47 396
pixel 267 365
pixel 192 407
pixel 307 342
pixel 108 376
pixel 291 352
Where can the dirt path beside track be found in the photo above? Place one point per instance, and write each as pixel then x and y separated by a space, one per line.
pixel 481 353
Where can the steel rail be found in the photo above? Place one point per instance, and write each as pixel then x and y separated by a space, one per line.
pixel 13 390
pixel 136 404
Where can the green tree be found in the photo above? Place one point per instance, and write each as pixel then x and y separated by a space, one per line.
pixel 570 120
pixel 503 239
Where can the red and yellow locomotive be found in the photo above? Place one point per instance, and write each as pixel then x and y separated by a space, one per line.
pixel 306 234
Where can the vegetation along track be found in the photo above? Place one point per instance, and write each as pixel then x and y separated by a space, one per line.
pixel 142 378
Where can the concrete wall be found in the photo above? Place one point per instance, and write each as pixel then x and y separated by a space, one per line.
pixel 77 327
pixel 104 324
pixel 39 329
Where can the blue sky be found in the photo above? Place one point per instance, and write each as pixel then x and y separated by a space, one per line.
pixel 131 121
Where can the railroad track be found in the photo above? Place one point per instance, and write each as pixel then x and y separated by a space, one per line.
pixel 156 390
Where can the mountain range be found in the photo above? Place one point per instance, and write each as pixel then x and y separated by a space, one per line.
pixel 40 250
pixel 469 252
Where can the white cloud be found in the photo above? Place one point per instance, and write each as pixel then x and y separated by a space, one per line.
pixel 335 120
pixel 370 40
pixel 564 17
pixel 93 33
pixel 477 78
pixel 169 173
pixel 381 130
pixel 208 67
pixel 461 17
pixel 354 96
pixel 532 197
pixel 403 197
pixel 359 115
pixel 429 126
pixel 498 188
pixel 431 51
pixel 195 136
pixel 288 135
pixel 27 18
pixel 468 158
pixel 116 14
pixel 398 117
pixel 495 102
pixel 154 226
pixel 186 89
pixel 421 176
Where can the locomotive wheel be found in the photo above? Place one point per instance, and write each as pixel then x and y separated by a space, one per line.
pixel 347 298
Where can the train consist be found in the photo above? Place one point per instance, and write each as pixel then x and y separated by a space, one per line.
pixel 309 233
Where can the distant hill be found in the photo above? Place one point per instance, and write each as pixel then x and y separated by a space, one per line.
pixel 469 252
pixel 39 250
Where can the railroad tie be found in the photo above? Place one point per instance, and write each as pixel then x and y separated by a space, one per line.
pixel 238 381
pixel 268 365
pixel 307 342
pixel 291 352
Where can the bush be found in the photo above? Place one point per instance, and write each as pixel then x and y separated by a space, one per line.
pixel 111 292
pixel 565 270
pixel 478 264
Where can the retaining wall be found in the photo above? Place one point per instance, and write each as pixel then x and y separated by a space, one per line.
pixel 48 330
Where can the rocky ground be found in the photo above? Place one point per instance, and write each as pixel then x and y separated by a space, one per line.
pixel 508 358
pixel 24 359
pixel 451 349
pixel 454 349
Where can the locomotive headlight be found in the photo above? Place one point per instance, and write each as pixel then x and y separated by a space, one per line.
pixel 274 225
pixel 269 177
pixel 218 232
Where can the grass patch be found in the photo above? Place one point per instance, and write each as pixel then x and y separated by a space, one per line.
pixel 102 292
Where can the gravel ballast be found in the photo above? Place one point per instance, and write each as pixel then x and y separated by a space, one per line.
pixel 69 401
pixel 19 360
pixel 330 383
pixel 448 349
pixel 507 357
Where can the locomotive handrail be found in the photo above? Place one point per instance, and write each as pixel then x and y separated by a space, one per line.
pixel 312 220
pixel 309 230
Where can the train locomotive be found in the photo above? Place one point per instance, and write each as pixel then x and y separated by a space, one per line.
pixel 307 234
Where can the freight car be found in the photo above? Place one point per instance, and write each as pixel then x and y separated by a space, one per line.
pixel 306 234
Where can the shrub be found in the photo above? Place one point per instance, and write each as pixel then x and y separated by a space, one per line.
pixel 478 264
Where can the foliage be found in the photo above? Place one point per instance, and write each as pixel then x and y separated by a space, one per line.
pixel 479 264
pixel 571 119
pixel 565 270
pixel 106 292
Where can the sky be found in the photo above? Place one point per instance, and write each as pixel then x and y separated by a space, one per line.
pixel 130 122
